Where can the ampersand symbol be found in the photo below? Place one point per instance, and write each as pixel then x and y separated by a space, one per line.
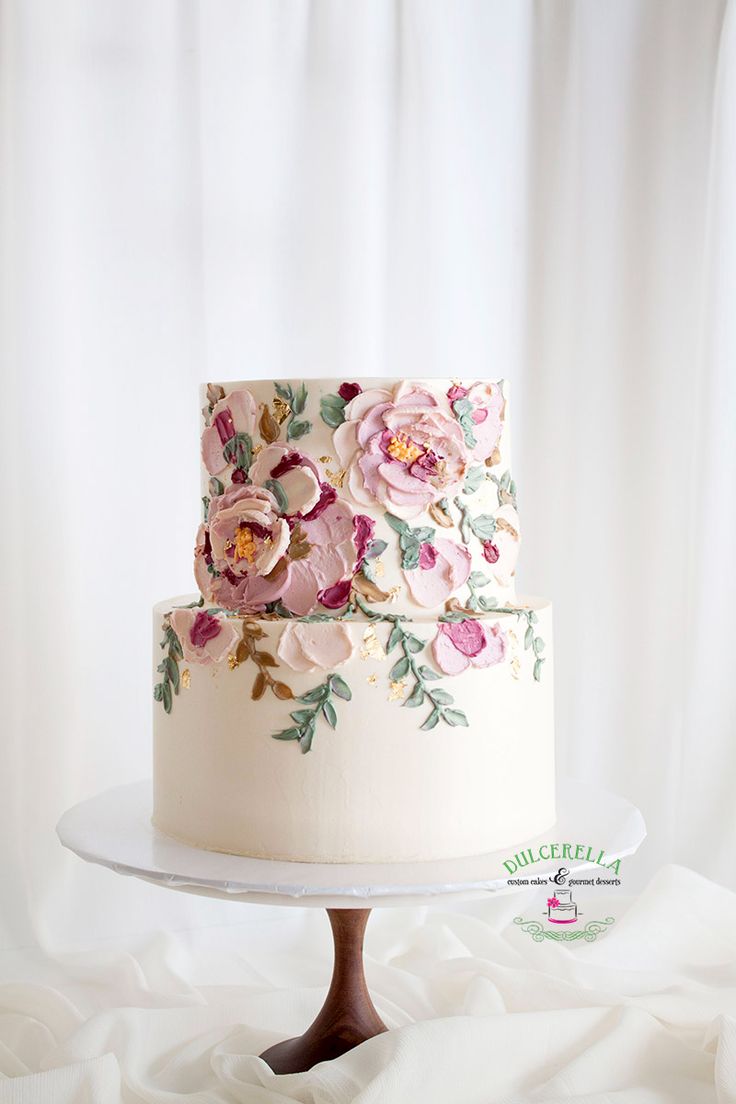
pixel 560 877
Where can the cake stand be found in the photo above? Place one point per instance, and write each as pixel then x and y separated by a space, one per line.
pixel 114 830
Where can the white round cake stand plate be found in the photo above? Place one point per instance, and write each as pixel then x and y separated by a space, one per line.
pixel 114 830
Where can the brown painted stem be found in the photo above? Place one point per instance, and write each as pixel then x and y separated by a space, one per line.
pixel 347 1017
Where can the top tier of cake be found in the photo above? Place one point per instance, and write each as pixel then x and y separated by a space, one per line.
pixel 322 495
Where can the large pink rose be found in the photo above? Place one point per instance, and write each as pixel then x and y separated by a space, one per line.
pixel 204 637
pixel 443 568
pixel 480 406
pixel 405 450
pixel 236 413
pixel 462 644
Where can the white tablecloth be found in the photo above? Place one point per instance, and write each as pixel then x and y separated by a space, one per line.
pixel 479 1012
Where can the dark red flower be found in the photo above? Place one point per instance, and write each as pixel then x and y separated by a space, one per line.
pixel 348 391
pixel 337 596
pixel 490 552
pixel 203 629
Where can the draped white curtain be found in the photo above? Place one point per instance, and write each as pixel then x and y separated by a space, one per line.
pixel 228 189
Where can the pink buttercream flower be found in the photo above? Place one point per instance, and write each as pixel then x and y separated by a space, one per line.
pixel 462 644
pixel 405 450
pixel 297 475
pixel 248 542
pixel 443 568
pixel 205 638
pixel 315 647
pixel 330 561
pixel 236 413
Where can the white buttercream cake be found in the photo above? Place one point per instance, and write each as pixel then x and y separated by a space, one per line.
pixel 356 680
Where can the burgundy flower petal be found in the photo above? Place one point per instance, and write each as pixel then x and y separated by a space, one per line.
pixel 348 391
pixel 336 596
pixel 224 425
pixel 327 497
pixel 203 629
pixel 364 528
pixel 490 552
pixel 287 463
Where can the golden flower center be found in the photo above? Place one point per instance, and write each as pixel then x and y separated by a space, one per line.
pixel 403 448
pixel 245 545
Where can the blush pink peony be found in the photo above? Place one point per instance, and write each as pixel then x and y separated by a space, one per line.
pixel 204 637
pixel 443 568
pixel 404 449
pixel 467 643
pixel 246 542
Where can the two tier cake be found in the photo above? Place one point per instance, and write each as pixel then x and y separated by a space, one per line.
pixel 357 680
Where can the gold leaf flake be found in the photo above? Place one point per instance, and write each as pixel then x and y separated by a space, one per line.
pixel 372 647
pixel 397 690
pixel 281 410
pixel 513 637
pixel 379 569
pixel 336 478
pixel 232 661
pixel 186 678
pixel 506 527
pixel 257 449
pixel 372 680
pixel 441 516
pixel 325 459
pixel 515 667
pixel 394 593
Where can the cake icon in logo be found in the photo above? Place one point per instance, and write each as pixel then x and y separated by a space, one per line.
pixel 561 909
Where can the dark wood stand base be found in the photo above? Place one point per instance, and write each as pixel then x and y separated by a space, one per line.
pixel 347 1017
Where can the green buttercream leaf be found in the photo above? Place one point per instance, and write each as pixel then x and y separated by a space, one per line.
pixel 484 526
pixel 278 493
pixel 455 717
pixel 318 694
pixel 399 669
pixel 538 670
pixel 158 692
pixel 428 674
pixel 442 697
pixel 300 399
pixel 341 688
pixel 284 392
pixel 376 548
pixel 239 451
pixel 538 645
pixel 529 637
pixel 396 523
pixel 432 720
pixel 478 579
pixel 416 697
pixel 287 734
pixel 301 716
pixel 329 713
pixel 166 694
pixel 295 430
pixel 474 478
pixel 414 644
pixel 394 638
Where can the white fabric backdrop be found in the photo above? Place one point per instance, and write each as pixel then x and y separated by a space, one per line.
pixel 227 189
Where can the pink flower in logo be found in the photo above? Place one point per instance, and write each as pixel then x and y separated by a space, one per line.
pixel 204 637
pixel 552 902
pixel 236 413
pixel 467 643
pixel 443 568
pixel 404 449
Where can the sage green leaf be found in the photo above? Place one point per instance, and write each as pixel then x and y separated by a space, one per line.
pixel 410 559
pixel 478 579
pixel 376 548
pixel 441 697
pixel 301 716
pixel 432 720
pixel 474 478
pixel 166 694
pixel 538 645
pixel 538 670
pixel 239 451
pixel 529 637
pixel 300 399
pixel 532 617
pixel 396 524
pixel 158 692
pixel 284 392
pixel 425 534
pixel 394 638
pixel 455 717
pixel 318 694
pixel 399 669
pixel 504 481
pixel 428 674
pixel 216 487
pixel 172 670
pixel 305 741
pixel 414 644
pixel 416 697
pixel 330 714
pixel 287 734
pixel 205 507
pixel 295 430
pixel 483 526
pixel 341 688
pixel 278 493
pixel 334 416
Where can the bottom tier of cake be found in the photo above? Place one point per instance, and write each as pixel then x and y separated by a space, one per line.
pixel 356 739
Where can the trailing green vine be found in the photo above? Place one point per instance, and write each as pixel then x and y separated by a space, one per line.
pixel 531 639
pixel 169 668
pixel 483 526
pixel 321 700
